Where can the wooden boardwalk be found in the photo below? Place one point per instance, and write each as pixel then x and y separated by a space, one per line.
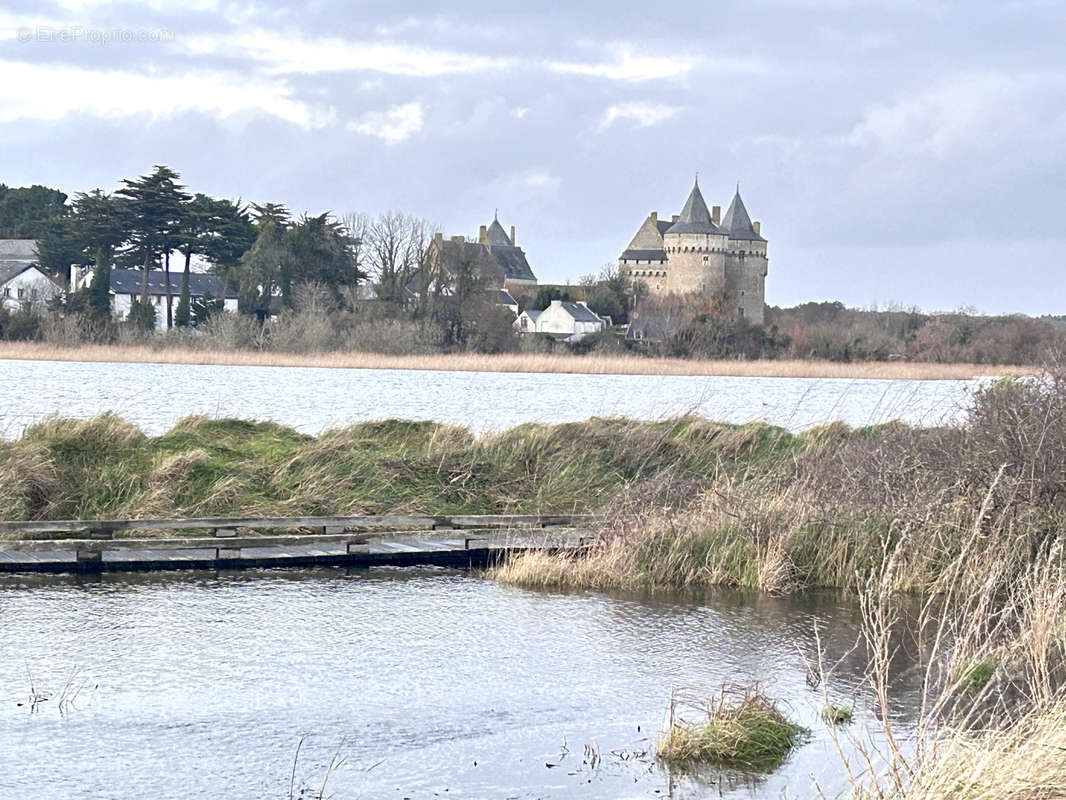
pixel 233 543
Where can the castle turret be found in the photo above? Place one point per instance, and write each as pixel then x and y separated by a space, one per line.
pixel 746 264
pixel 695 247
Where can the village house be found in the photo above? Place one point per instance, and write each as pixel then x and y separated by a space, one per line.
pixel 126 284
pixel 22 282
pixel 564 320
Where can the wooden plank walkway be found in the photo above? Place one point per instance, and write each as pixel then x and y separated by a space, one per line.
pixel 231 542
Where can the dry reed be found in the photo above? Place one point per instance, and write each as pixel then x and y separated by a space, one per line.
pixel 592 364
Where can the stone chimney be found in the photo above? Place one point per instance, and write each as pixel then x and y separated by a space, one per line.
pixel 654 216
pixel 758 227
pixel 438 237
pixel 483 234
pixel 716 214
pixel 512 236
pixel 675 217
pixel 458 239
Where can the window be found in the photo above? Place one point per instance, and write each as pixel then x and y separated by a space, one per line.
pixel 21 292
pixel 7 291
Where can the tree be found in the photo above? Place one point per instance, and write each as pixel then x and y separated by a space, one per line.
pixel 157 206
pixel 27 212
pixel 321 252
pixel 263 266
pixel 182 316
pixel 389 255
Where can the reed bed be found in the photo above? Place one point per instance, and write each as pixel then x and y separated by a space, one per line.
pixel 591 364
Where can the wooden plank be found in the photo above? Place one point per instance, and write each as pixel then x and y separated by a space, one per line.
pixel 103 528
pixel 521 536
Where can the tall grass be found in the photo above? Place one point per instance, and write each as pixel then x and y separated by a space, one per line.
pixel 191 351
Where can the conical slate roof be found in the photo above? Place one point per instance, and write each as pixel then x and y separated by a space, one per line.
pixel 695 218
pixel 736 222
pixel 497 235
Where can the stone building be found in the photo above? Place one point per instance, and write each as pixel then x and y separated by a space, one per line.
pixel 699 251
pixel 494 253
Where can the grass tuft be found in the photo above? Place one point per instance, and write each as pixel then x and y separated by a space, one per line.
pixel 742 728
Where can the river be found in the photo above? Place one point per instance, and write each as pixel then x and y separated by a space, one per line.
pixel 424 683
pixel 154 396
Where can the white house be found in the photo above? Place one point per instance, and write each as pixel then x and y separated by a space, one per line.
pixel 527 321
pixel 126 287
pixel 565 320
pixel 21 281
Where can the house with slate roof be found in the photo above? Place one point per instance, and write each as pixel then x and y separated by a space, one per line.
pixel 700 251
pixel 126 287
pixel 21 280
pixel 564 320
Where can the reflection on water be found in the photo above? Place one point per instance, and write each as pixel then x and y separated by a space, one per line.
pixel 313 400
pixel 428 683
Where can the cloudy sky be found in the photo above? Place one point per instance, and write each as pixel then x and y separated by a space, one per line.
pixel 907 151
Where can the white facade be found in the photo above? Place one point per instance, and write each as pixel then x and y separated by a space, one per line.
pixel 125 288
pixel 120 306
pixel 569 321
pixel 31 287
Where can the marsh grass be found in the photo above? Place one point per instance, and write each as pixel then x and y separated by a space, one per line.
pixel 164 352
pixel 741 728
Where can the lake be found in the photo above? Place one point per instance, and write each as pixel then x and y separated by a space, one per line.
pixel 424 683
pixel 154 396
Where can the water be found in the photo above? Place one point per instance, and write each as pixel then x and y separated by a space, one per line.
pixel 426 683
pixel 154 396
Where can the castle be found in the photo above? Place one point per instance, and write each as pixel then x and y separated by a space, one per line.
pixel 700 251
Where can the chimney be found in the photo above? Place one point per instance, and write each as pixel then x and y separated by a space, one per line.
pixel 483 234
pixel 75 273
pixel 716 214
pixel 675 217
pixel 458 239
pixel 654 216
pixel 757 226
pixel 512 236
pixel 438 237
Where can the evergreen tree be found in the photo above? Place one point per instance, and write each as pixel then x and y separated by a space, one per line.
pixel 182 315
pixel 157 208
pixel 100 287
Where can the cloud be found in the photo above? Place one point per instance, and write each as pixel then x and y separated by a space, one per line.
pixel 972 112
pixel 643 115
pixel 53 91
pixel 392 126
pixel 292 53
pixel 536 179
pixel 628 67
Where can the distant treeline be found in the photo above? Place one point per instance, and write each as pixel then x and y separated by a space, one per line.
pixel 321 283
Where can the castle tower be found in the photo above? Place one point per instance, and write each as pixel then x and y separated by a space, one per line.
pixel 695 249
pixel 746 264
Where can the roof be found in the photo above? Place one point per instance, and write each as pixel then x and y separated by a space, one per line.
pixel 11 269
pixel 736 222
pixel 18 249
pixel 644 255
pixel 497 235
pixel 16 255
pixel 504 298
pixel 513 262
pixel 695 218
pixel 579 312
pixel 532 313
pixel 129 281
